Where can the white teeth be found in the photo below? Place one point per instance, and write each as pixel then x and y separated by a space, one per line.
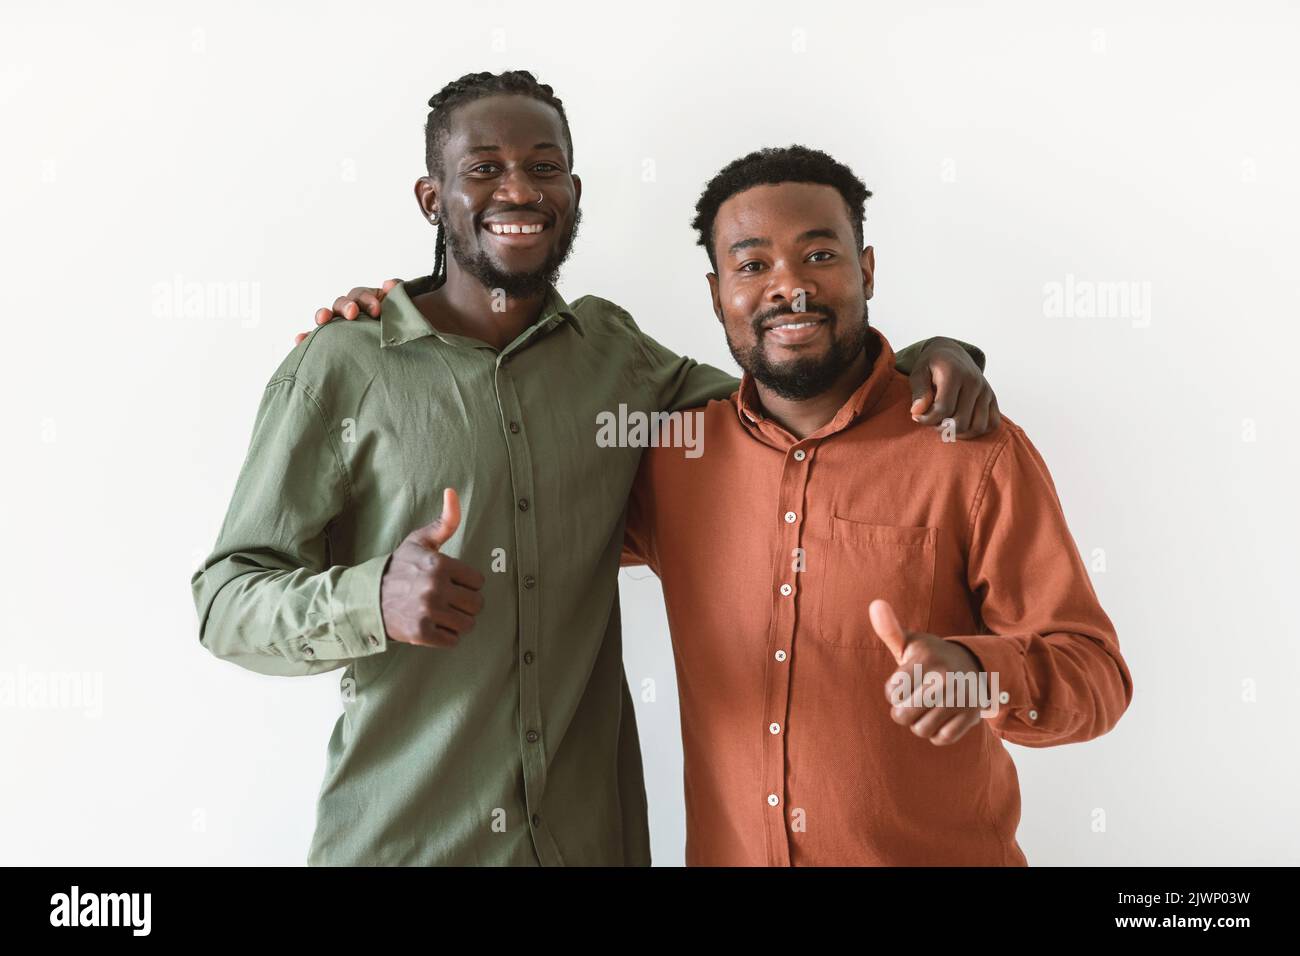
pixel 505 229
pixel 794 325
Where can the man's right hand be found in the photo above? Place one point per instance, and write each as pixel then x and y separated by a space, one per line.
pixel 361 300
pixel 427 597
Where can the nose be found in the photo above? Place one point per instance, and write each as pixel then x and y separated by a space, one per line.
pixel 516 187
pixel 789 288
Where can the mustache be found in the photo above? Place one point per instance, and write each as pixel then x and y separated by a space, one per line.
pixel 532 208
pixel 814 310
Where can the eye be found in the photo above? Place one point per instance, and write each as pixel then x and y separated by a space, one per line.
pixel 822 252
pixel 553 168
pixel 745 266
pixel 475 169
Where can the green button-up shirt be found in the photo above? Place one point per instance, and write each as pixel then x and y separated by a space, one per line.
pixel 518 746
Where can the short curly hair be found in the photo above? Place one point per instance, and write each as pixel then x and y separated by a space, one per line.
pixel 770 165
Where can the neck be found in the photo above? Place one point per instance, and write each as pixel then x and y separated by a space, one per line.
pixel 801 417
pixel 464 306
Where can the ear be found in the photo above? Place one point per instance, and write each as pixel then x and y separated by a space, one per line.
pixel 868 261
pixel 714 292
pixel 426 196
pixel 577 190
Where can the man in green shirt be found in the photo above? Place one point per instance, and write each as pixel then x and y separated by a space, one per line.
pixel 486 717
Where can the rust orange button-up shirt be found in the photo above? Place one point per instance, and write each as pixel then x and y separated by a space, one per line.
pixel 791 757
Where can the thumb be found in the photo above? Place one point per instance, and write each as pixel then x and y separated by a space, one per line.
pixel 922 389
pixel 435 535
pixel 885 621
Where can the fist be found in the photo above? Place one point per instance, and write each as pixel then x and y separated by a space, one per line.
pixel 427 597
pixel 941 725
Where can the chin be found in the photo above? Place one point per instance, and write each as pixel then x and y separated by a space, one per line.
pixel 781 356
pixel 520 265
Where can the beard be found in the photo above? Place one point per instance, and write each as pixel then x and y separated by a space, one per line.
pixel 516 285
pixel 803 378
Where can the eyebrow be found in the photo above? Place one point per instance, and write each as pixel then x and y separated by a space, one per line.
pixel 493 149
pixel 822 233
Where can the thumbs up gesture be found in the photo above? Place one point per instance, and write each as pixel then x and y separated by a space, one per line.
pixel 939 724
pixel 427 597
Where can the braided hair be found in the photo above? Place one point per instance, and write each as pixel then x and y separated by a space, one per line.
pixel 470 87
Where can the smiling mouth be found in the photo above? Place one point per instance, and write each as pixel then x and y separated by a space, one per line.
pixel 515 228
pixel 790 326
pixel 795 331
pixel 795 322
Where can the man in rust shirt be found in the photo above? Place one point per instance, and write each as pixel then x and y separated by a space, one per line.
pixel 814 496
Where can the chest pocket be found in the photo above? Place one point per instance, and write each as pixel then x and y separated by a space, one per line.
pixel 860 563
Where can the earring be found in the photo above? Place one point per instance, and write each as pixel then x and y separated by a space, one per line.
pixel 433 217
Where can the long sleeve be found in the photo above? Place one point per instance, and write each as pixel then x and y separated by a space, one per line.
pixel 905 358
pixel 674 381
pixel 638 532
pixel 1055 651
pixel 267 597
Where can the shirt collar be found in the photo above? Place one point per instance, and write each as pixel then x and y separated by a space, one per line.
pixel 401 322
pixel 860 404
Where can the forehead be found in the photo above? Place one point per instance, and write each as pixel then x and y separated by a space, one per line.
pixel 508 121
pixel 776 210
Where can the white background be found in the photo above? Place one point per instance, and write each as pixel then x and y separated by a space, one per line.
pixel 1009 146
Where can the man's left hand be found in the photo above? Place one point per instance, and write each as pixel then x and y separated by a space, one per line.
pixel 946 383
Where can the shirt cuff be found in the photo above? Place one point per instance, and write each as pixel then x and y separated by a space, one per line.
pixel 1003 656
pixel 905 359
pixel 358 620
pixel 974 351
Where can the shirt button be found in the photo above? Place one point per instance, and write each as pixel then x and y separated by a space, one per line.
pixel 773 799
pixel 537 820
pixel 523 504
pixel 1003 697
pixel 1033 715
pixel 528 657
pixel 790 517
pixel 392 340
pixel 780 655
pixel 533 736
pixel 800 455
pixel 306 649
pixel 529 581
pixel 774 728
pixel 514 428
pixel 786 590
pixel 374 641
